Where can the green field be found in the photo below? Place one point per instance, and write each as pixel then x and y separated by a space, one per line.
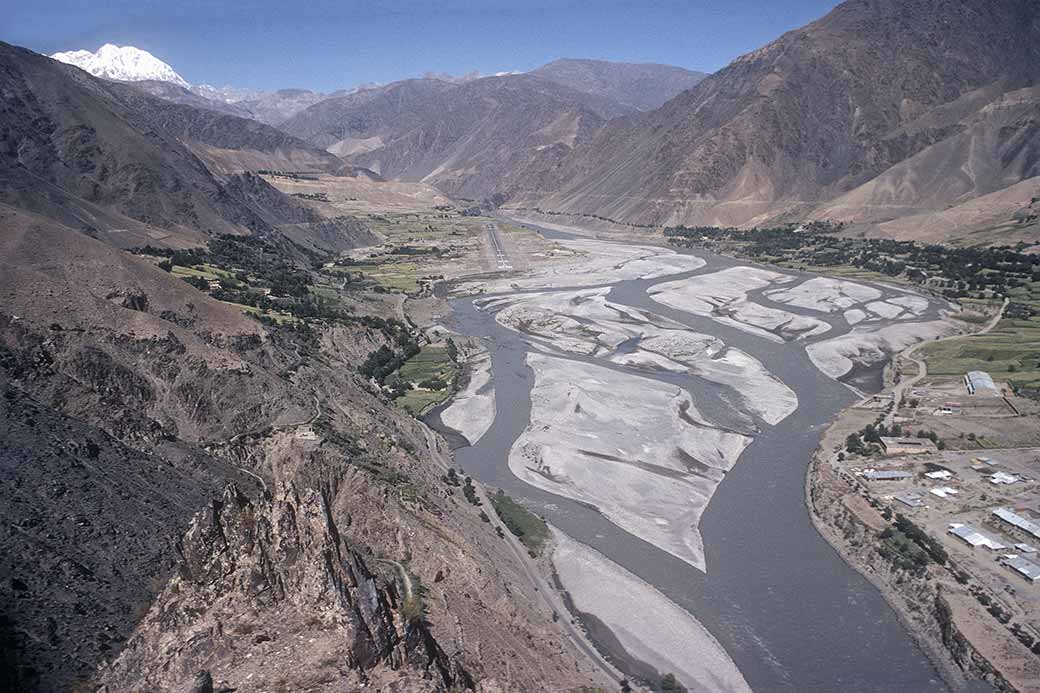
pixel 1009 352
pixel 530 529
pixel 402 277
pixel 278 316
pixel 842 271
pixel 432 363
pixel 1028 293
pixel 207 272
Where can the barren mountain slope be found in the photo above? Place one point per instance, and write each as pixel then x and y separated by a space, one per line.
pixel 991 150
pixel 115 162
pixel 303 575
pixel 808 117
pixel 469 139
pixel 640 86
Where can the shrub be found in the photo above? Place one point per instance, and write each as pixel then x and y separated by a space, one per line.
pixel 530 529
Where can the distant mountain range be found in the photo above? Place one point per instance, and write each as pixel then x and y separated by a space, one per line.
pixel 641 87
pixel 124 63
pixel 899 119
pixel 130 64
pixel 119 164
pixel 881 110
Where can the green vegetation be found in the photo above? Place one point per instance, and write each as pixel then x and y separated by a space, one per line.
pixel 265 277
pixel 385 360
pixel 429 377
pixel 977 276
pixel 530 529
pixel 669 684
pixel 1010 352
pixel 417 243
pixel 470 491
pixel 957 273
pixel 909 547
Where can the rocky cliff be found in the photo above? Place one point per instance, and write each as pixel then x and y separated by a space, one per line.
pixel 338 556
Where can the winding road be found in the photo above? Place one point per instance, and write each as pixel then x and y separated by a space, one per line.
pixel 922 365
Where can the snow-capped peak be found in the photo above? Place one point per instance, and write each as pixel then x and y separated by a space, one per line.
pixel 125 63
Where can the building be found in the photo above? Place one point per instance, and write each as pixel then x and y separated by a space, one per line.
pixel 944 474
pixel 886 475
pixel 1024 567
pixel 998 478
pixel 908 446
pixel 1015 520
pixel 979 381
pixel 974 538
pixel 912 500
pixel 943 491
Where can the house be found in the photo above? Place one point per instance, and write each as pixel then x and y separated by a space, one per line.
pixel 907 446
pixel 974 538
pixel 979 381
pixel 943 491
pixel 998 478
pixel 1024 567
pixel 1015 520
pixel 886 475
pixel 912 500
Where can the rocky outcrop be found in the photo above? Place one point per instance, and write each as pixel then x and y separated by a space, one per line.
pixel 469 139
pixel 817 114
pixel 86 528
pixel 267 591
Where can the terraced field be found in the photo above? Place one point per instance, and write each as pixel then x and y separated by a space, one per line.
pixel 432 374
pixel 1009 352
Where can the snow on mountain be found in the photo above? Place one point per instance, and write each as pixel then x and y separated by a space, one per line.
pixel 226 94
pixel 125 63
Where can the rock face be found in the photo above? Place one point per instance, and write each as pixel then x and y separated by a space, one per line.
pixel 84 527
pixel 277 570
pixel 110 160
pixel 469 139
pixel 130 400
pixel 820 112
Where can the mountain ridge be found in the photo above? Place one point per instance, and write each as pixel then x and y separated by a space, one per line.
pixel 811 116
pixel 124 63
pixel 640 86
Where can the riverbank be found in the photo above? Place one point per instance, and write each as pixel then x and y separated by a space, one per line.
pixel 938 604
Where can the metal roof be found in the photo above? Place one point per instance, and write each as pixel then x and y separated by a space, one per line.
pixel 979 380
pixel 1013 518
pixel 911 499
pixel 1025 566
pixel 875 475
pixel 974 537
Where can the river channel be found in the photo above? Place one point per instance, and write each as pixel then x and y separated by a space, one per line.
pixel 787 609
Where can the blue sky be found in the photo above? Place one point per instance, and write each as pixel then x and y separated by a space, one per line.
pixel 326 45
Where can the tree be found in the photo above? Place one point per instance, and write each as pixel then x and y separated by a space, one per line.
pixel 669 683
pixel 854 444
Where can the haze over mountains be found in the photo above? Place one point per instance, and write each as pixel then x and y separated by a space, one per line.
pixel 141 396
pixel 879 110
pixel 857 117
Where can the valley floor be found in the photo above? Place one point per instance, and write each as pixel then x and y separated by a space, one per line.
pixel 621 401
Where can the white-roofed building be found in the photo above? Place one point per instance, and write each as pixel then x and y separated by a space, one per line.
pixel 975 538
pixel 1015 520
pixel 1024 567
pixel 979 381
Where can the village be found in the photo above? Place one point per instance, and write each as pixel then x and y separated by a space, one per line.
pixel 945 473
